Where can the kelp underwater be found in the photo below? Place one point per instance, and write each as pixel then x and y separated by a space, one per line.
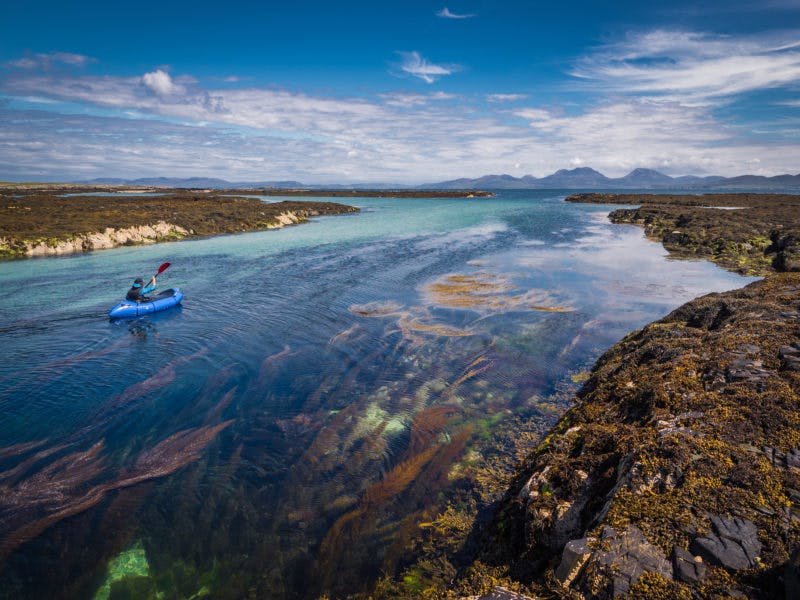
pixel 334 428
pixel 404 429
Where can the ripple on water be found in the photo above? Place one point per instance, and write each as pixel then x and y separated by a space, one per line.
pixel 322 392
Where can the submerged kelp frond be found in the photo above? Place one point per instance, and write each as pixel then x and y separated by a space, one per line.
pixel 410 322
pixel 62 488
pixel 410 325
pixel 377 309
pixel 488 293
pixel 428 424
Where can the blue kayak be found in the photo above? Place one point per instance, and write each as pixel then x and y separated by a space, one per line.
pixel 163 301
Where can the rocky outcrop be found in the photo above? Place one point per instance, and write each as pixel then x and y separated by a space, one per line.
pixel 677 473
pixel 110 238
pixel 731 543
pixel 41 223
pixel 749 233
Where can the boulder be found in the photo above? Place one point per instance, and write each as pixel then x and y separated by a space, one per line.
pixel 732 543
pixel 687 567
pixel 575 555
pixel 629 555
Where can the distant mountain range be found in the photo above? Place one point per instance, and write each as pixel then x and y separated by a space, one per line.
pixel 580 178
pixel 215 183
pixel 586 178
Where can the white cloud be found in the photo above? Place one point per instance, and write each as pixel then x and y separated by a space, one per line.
pixel 48 60
pixel 161 83
pixel 446 14
pixel 405 100
pixel 262 133
pixel 694 67
pixel 505 97
pixel 414 64
pixel 532 114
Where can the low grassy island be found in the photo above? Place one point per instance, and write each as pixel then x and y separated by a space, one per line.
pixel 378 193
pixel 45 222
pixel 752 234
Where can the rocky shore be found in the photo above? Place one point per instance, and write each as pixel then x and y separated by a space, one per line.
pixel 753 234
pixel 677 472
pixel 42 223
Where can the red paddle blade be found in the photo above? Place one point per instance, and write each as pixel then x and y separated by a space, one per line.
pixel 162 268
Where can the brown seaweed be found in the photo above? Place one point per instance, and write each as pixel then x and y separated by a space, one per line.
pixel 160 379
pixel 62 488
pixel 488 293
pixel 269 362
pixel 428 424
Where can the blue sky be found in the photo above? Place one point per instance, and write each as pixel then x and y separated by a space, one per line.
pixel 403 92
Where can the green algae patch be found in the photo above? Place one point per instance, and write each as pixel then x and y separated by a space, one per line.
pixel 129 564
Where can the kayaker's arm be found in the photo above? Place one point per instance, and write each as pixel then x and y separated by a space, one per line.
pixel 150 287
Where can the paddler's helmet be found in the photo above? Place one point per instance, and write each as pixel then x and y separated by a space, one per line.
pixel 138 282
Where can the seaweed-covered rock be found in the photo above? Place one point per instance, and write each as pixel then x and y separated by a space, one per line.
pixel 686 435
pixel 763 236
pixel 733 543
pixel 687 567
pixel 628 556
pixel 500 593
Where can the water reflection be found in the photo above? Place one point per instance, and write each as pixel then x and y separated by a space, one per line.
pixel 322 396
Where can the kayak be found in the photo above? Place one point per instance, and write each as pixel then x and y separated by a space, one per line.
pixel 163 301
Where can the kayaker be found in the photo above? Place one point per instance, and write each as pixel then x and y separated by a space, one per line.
pixel 137 291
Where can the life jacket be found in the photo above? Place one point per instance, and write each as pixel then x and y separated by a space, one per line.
pixel 134 294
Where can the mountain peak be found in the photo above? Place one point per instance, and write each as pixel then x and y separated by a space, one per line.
pixel 578 171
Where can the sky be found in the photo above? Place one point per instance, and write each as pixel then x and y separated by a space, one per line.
pixel 400 92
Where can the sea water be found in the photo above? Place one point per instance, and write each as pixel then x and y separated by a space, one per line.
pixel 322 390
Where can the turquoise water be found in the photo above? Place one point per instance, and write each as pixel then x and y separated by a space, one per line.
pixel 320 385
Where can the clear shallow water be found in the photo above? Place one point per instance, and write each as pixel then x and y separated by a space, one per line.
pixel 321 386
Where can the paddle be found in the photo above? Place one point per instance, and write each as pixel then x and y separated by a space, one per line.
pixel 161 269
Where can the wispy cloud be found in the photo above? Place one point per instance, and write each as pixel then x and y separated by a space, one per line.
pixel 694 66
pixel 446 14
pixel 414 64
pixel 163 123
pixel 405 100
pixel 49 60
pixel 505 97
